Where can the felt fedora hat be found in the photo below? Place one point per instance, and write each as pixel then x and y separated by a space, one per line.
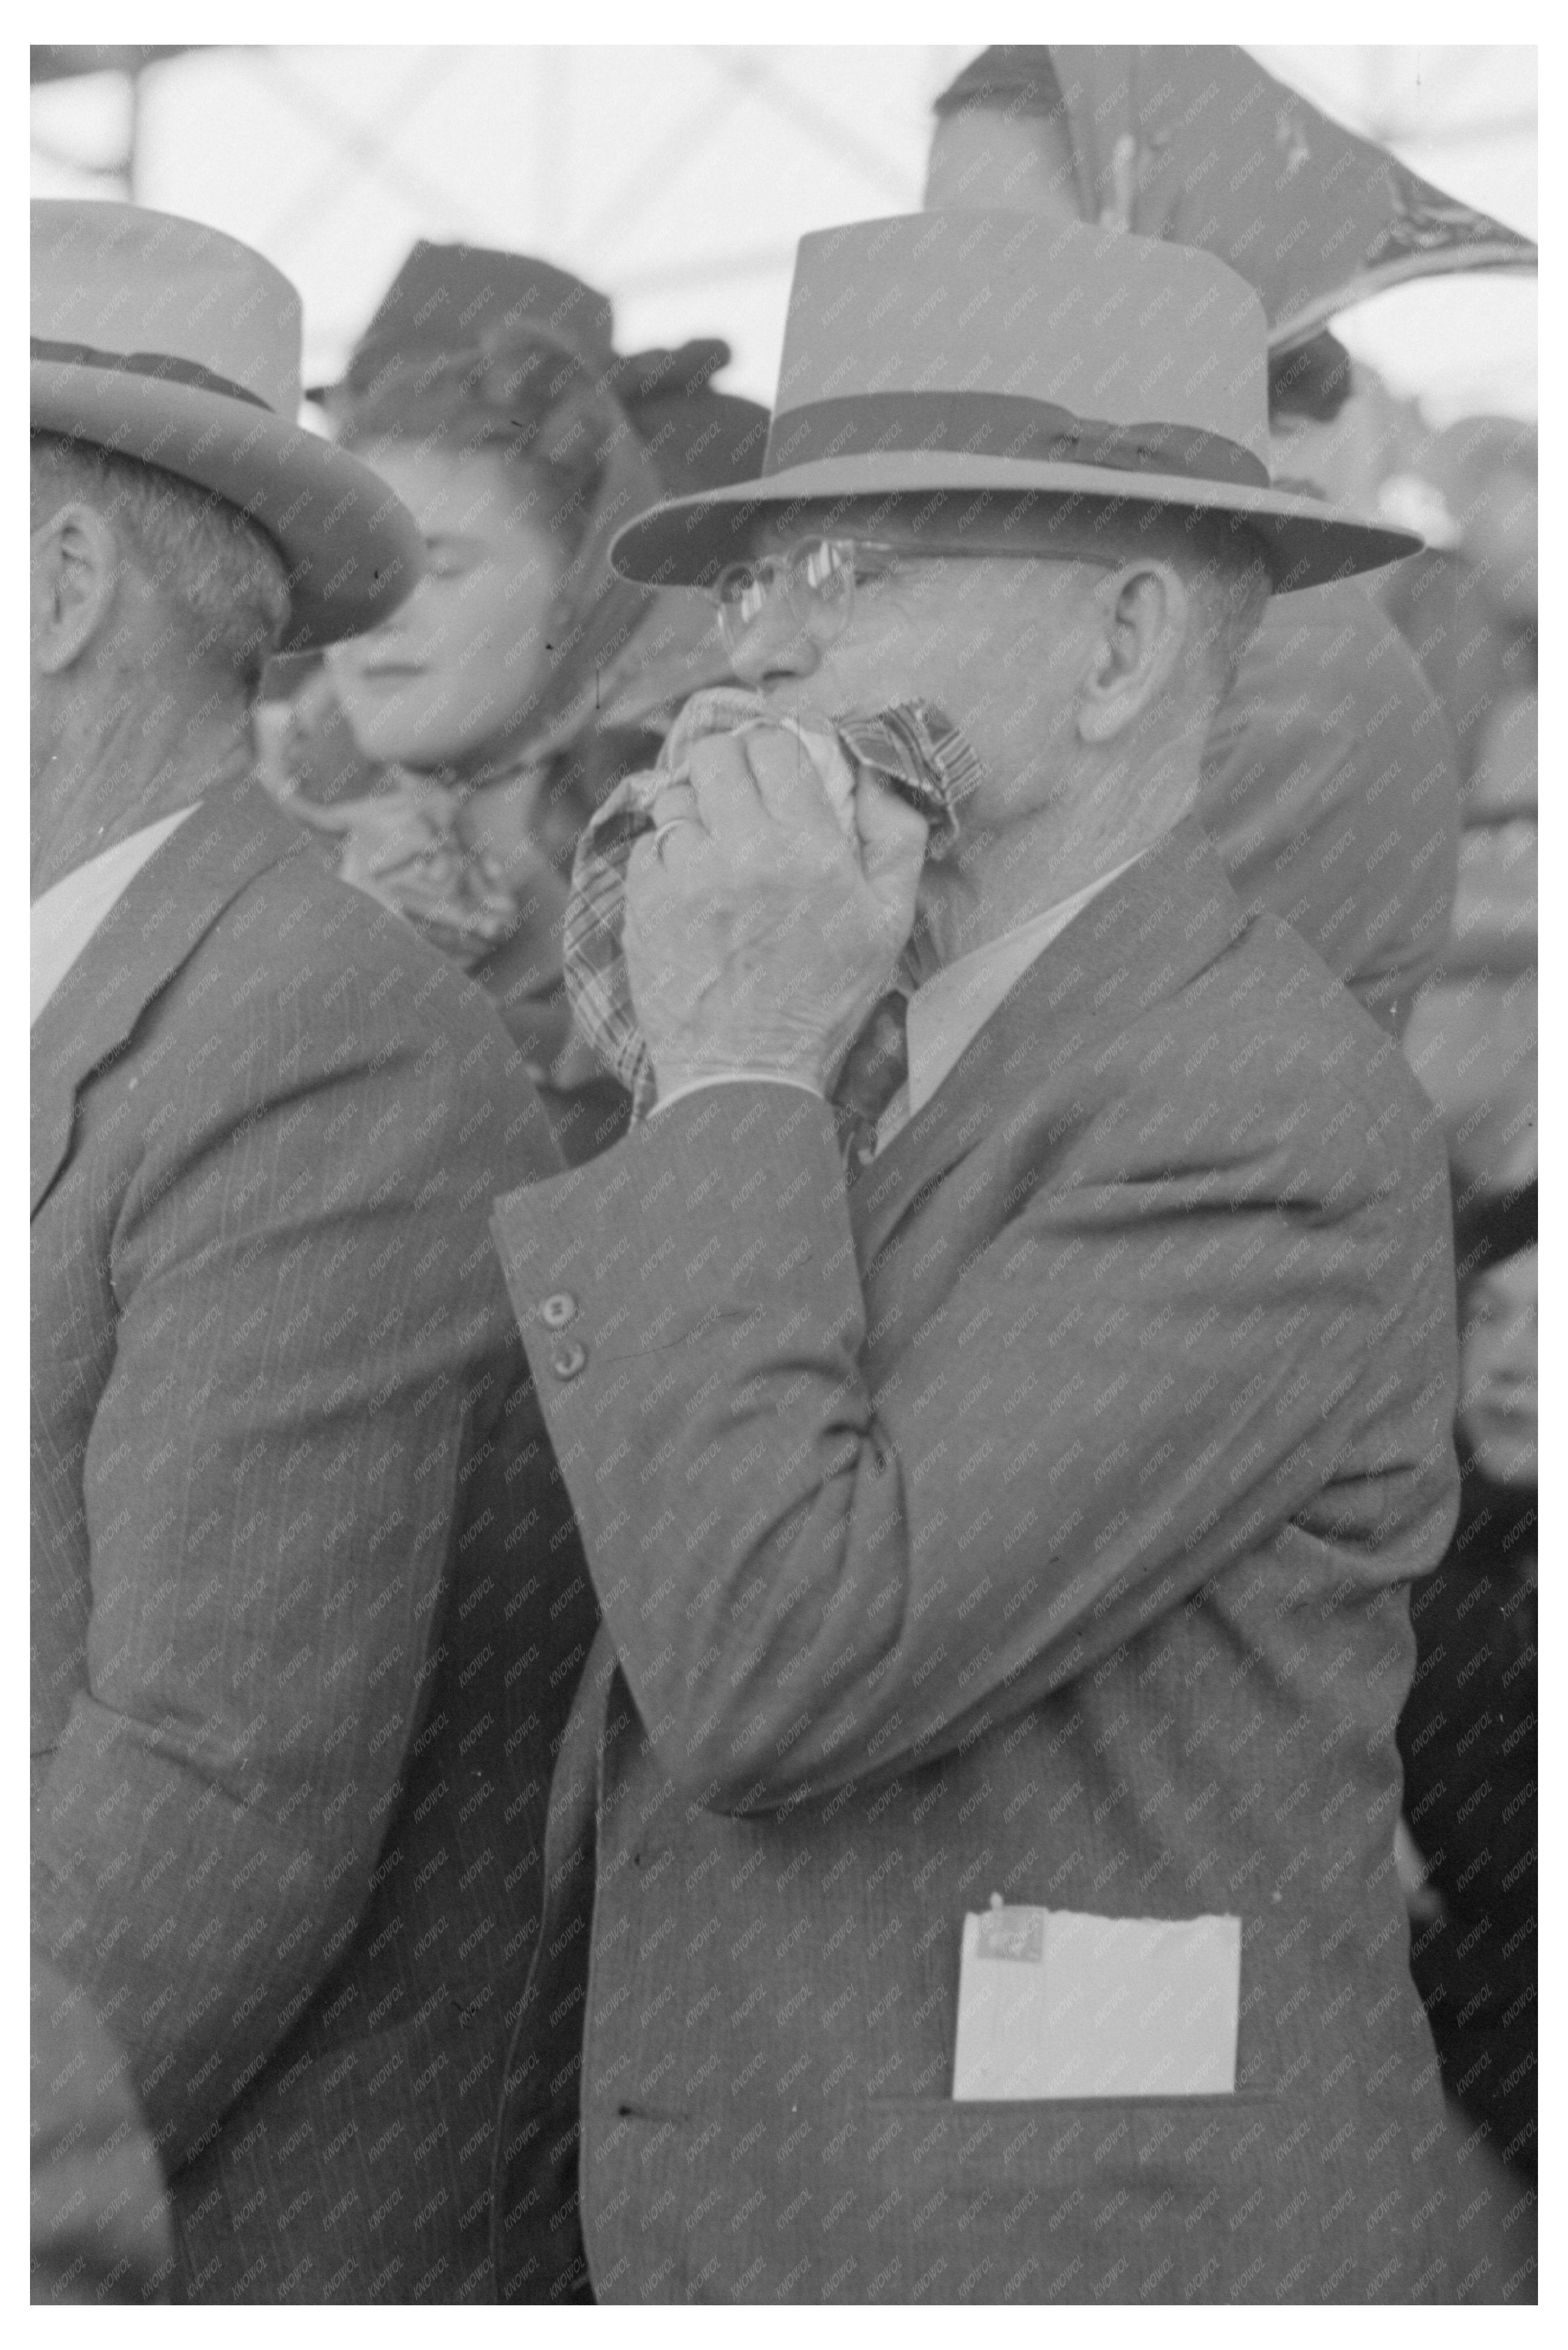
pixel 163 340
pixel 1002 357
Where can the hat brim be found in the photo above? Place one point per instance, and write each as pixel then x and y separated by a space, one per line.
pixel 686 542
pixel 353 551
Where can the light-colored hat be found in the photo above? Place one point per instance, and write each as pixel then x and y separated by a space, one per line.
pixel 999 352
pixel 163 340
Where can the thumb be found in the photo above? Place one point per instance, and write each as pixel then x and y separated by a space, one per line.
pixel 893 838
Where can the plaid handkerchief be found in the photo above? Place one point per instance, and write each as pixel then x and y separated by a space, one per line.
pixel 918 750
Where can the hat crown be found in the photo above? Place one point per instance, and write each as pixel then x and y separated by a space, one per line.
pixel 120 279
pixel 450 298
pixel 1113 327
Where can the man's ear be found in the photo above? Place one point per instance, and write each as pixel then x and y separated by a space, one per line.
pixel 1145 611
pixel 75 564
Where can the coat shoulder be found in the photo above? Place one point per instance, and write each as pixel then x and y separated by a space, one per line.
pixel 304 985
pixel 1261 1062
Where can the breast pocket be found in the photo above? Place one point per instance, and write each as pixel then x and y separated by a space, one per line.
pixel 1071 2200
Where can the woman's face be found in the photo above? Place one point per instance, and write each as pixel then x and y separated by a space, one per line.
pixel 451 671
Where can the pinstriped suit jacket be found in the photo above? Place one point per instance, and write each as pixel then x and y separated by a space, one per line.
pixel 304 1578
pixel 1032 1518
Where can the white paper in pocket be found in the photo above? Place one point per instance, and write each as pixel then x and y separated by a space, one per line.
pixel 1057 2003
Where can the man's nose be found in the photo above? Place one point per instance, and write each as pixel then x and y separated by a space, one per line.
pixel 777 644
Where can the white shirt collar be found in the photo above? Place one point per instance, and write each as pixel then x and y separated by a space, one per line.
pixel 953 1006
pixel 67 916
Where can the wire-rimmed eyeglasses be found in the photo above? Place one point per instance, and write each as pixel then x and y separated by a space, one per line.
pixel 819 577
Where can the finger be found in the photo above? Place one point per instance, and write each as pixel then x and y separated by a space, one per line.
pixel 659 857
pixel 646 880
pixel 674 800
pixel 792 790
pixel 725 789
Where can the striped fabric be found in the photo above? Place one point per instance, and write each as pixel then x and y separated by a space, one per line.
pixel 922 754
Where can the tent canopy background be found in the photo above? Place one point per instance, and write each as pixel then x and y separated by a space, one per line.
pixel 678 178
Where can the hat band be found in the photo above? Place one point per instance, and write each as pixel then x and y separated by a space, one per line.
pixel 161 364
pixel 1002 424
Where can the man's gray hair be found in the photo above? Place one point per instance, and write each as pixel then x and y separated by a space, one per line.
pixel 220 574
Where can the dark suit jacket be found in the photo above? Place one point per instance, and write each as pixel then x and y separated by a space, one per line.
pixel 304 1583
pixel 1331 789
pixel 1034 1520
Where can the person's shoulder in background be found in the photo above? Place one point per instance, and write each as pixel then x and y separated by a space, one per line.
pixel 1331 788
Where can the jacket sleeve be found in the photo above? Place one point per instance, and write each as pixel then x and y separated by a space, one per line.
pixel 310 1336
pixel 811 1578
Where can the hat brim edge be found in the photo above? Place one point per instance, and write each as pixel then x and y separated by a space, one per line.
pixel 684 541
pixel 328 514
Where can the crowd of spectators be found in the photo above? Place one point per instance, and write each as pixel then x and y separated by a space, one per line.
pixel 1370 776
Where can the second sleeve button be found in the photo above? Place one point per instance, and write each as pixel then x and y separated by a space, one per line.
pixel 568 1359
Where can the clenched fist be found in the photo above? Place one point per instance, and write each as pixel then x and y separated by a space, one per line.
pixel 758 933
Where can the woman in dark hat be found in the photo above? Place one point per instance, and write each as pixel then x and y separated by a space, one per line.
pixel 450 758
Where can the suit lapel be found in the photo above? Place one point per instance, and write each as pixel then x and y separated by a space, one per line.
pixel 236 833
pixel 1142 940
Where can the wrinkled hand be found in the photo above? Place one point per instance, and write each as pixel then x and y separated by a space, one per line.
pixel 757 936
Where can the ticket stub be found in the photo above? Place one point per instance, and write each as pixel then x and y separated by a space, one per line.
pixel 1058 2003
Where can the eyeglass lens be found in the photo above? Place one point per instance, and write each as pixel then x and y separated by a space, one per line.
pixel 818 579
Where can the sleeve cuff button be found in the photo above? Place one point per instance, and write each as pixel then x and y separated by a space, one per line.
pixel 568 1359
pixel 558 1310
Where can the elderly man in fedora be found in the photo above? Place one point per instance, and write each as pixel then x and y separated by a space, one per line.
pixel 969 1873
pixel 302 1578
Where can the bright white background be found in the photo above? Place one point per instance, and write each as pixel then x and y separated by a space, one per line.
pixel 676 179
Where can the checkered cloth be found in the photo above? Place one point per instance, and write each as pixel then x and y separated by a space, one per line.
pixel 917 749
